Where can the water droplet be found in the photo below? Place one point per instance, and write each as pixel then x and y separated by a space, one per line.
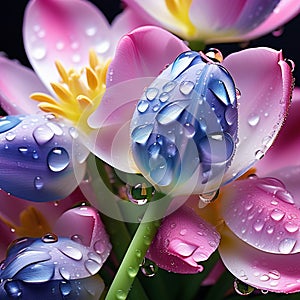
pixel 10 136
pixel 151 93
pixel 139 193
pixel 238 93
pixel 23 150
pixel 253 120
pixel 71 252
pixel 42 134
pixel 277 214
pixel 91 31
pixel 242 288
pixel 186 87
pixel 39 53
pixel 102 47
pixel 258 225
pixel 287 245
pixel 259 154
pixel 264 277
pixel 12 289
pixel 291 64
pixel 231 116
pixel 73 132
pixel 149 268
pixel 138 253
pixel 132 272
pixel 209 197
pixel 92 266
pixel 58 159
pixel 164 97
pixel 274 274
pixel 55 128
pixel 264 292
pixel 50 238
pixel 65 288
pixel 154 149
pixel 121 295
pixel 8 122
pixel 285 196
pixel 60 46
pixel 278 31
pixel 291 227
pixel 141 133
pixel 35 155
pixel 183 232
pixel 169 86
pixel 214 54
pixel 170 112
pixel 38 182
pixel 189 130
pixel 142 106
pixel 64 273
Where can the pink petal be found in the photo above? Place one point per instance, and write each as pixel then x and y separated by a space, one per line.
pixel 65 31
pixel 137 62
pixel 266 271
pixel 182 242
pixel 285 150
pixel 265 82
pixel 283 13
pixel 261 212
pixel 16 100
pixel 83 225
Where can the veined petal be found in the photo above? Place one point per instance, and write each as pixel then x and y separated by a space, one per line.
pixel 261 212
pixel 264 80
pixel 16 100
pixel 285 149
pixel 39 157
pixel 182 242
pixel 272 272
pixel 65 31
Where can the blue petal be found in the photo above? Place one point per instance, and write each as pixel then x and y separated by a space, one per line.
pixel 38 158
pixel 188 124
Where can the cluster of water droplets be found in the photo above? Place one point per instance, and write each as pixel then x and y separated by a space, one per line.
pixel 39 149
pixel 62 266
pixel 186 120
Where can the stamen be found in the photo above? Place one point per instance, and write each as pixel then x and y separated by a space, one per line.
pixel 91 78
pixel 41 97
pixel 84 101
pixel 61 92
pixel 54 109
pixel 62 72
pixel 93 59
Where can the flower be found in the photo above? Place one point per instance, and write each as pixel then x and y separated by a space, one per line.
pixel 59 37
pixel 121 111
pixel 57 250
pixel 215 22
pixel 257 217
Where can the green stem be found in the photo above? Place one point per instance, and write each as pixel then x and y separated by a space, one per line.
pixel 134 256
pixel 197 45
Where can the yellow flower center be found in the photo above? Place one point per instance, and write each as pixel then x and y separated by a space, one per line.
pixel 78 93
pixel 180 10
pixel 32 223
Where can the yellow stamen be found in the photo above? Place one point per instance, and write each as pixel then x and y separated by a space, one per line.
pixel 78 92
pixel 32 223
pixel 180 10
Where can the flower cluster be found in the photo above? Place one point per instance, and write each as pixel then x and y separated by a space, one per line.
pixel 127 125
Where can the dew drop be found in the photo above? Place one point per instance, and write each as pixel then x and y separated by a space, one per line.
pixel 73 132
pixel 164 97
pixel 186 87
pixel 253 120
pixel 242 288
pixel 38 182
pixel 35 155
pixel 59 46
pixel 149 268
pixel 214 54
pixel 287 245
pixel 278 32
pixel 264 277
pixel 10 136
pixel 132 272
pixel 170 113
pixel 8 122
pixel 151 93
pixel 291 64
pixel 274 274
pixel 58 159
pixel 291 227
pixel 138 253
pixel 183 232
pixel 102 47
pixel 285 196
pixel 231 115
pixel 277 214
pixel 258 225
pixel 64 273
pixel 154 150
pixel 142 106
pixel 141 133
pixel 121 295
pixel 209 197
pixel 50 238
pixel 76 58
pixel 91 31
pixel 259 154
pixel 39 53
pixel 169 86
pixel 264 292
pixel 13 289
pixel 238 93
pixel 65 288
pixel 189 130
pixel 100 247
pixel 55 128
pixel 42 134
pixel 23 150
pixel 92 266
pixel 71 252
pixel 139 193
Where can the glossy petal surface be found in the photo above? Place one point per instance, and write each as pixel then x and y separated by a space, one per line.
pixel 259 73
pixel 182 242
pixel 39 157
pixel 266 271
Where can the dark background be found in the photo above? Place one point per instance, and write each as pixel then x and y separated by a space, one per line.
pixel 11 18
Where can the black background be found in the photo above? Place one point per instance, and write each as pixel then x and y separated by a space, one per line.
pixel 11 18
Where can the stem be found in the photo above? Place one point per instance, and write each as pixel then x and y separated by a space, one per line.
pixel 134 256
pixel 197 45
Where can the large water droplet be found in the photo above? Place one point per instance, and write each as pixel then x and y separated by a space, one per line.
pixel 10 136
pixel 186 87
pixel 39 53
pixel 132 271
pixel 274 274
pixel 38 182
pixel 141 133
pixel 149 268
pixel 151 93
pixel 58 159
pixel 242 288
pixel 170 112
pixel 164 97
pixel 169 86
pixel 50 238
pixel 12 289
pixel 154 150
pixel 92 266
pixel 291 227
pixel 43 134
pixel 231 115
pixel 214 54
pixel 138 194
pixel 55 128
pixel 142 106
pixel 189 130
pixel 65 274
pixel 287 245
pixel 285 196
pixel 209 197
pixel 253 120
pixel 277 214
pixel 71 252
pixel 8 122
pixel 121 295
pixel 65 288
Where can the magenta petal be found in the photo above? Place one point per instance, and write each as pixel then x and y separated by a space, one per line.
pixel 182 242
pixel 262 212
pixel 266 271
pixel 66 31
pixel 16 100
pixel 259 73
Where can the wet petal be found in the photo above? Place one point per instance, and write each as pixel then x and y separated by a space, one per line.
pixel 89 288
pixel 285 149
pixel 64 31
pixel 259 73
pixel 40 160
pixel 84 224
pixel 261 212
pixel 266 271
pixel 16 100
pixel 183 241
